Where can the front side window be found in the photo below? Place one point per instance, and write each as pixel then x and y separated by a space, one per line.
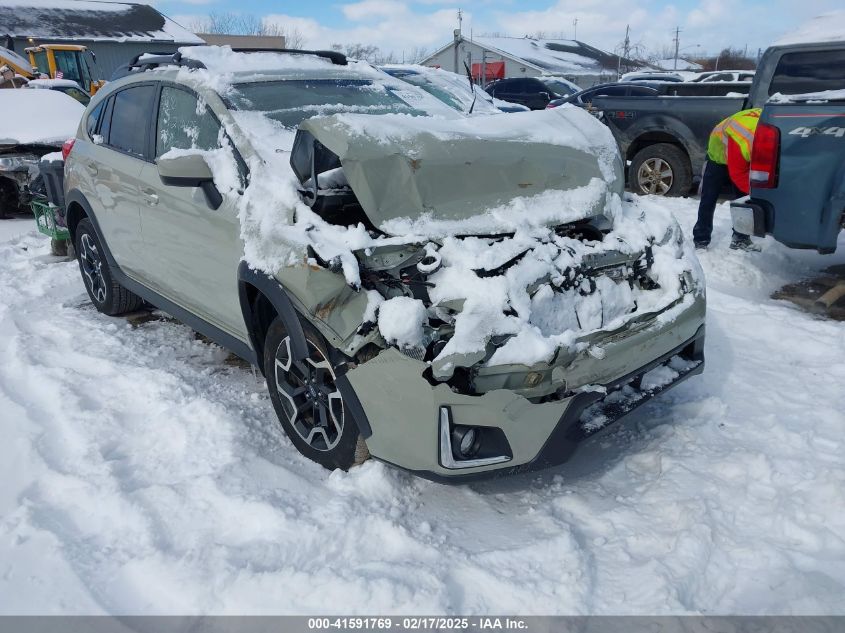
pixel 130 114
pixel 184 123
pixel 559 88
pixel 93 119
pixel 809 71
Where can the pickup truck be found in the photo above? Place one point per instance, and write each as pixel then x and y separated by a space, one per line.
pixel 664 138
pixel 798 156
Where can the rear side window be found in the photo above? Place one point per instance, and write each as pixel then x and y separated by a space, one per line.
pixel 641 91
pixel 93 119
pixel 809 71
pixel 130 115
pixel 184 123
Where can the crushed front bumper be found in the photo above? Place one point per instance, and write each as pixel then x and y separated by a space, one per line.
pixel 403 412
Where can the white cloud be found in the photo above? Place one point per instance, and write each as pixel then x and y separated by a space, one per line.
pixel 373 9
pixel 707 26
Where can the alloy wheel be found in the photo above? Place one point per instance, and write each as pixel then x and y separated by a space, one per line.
pixel 92 268
pixel 310 398
pixel 655 176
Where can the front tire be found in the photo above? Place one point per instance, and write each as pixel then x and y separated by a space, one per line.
pixel 108 296
pixel 308 403
pixel 661 169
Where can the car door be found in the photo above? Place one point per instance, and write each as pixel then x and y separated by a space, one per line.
pixel 193 251
pixel 114 159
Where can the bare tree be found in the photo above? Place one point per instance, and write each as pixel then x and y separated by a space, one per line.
pixel 247 24
pixel 416 54
pixel 729 58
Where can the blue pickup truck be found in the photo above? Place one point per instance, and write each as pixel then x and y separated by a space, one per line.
pixel 798 156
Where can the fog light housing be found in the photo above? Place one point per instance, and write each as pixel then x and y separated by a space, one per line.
pixel 466 439
pixel 463 446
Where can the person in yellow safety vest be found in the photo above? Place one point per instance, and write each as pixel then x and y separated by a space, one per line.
pixel 728 160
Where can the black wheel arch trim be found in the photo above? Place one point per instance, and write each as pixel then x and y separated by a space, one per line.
pixel 74 196
pixel 276 295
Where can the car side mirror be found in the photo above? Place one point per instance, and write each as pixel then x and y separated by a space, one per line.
pixel 189 170
pixel 546 96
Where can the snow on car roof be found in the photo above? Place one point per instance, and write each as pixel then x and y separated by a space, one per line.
pixel 828 27
pixel 87 20
pixel 39 116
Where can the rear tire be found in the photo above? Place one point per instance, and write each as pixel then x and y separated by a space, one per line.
pixel 309 405
pixel 662 169
pixel 108 296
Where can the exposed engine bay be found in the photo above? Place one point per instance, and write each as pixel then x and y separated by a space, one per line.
pixel 499 310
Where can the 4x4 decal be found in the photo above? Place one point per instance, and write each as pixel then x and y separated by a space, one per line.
pixel 804 132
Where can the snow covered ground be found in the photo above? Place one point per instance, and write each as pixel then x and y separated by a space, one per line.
pixel 142 472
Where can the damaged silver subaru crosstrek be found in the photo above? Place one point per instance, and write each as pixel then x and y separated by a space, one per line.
pixel 458 296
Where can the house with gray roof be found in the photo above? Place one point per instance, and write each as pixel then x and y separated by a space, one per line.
pixel 497 57
pixel 114 31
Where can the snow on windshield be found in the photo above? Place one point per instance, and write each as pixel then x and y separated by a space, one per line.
pixel 291 101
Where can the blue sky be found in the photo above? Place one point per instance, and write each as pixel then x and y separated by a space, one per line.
pixel 706 25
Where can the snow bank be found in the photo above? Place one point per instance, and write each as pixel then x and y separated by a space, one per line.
pixel 155 457
pixel 38 116
pixel 827 27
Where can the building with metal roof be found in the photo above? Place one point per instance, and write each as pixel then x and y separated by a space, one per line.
pixel 114 31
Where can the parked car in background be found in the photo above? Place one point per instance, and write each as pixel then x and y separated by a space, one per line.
pixel 584 98
pixel 67 86
pixel 453 89
pixel 533 92
pixel 724 75
pixel 176 181
pixel 664 138
pixel 651 76
pixel 34 123
pixel 798 155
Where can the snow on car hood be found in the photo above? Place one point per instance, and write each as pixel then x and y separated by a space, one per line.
pixel 442 176
pixel 38 116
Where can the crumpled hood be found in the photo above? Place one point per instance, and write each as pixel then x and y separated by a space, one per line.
pixel 403 168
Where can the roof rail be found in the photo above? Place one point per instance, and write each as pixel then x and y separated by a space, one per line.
pixel 148 61
pixel 153 60
pixel 339 59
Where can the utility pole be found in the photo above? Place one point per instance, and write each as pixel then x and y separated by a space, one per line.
pixel 575 29
pixel 626 45
pixel 677 45
pixel 460 19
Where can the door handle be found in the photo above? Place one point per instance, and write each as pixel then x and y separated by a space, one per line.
pixel 150 196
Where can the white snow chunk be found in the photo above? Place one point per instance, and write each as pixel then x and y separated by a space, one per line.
pixel 400 321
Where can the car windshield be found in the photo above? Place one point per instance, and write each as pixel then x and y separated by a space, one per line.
pixel 292 101
pixel 558 87
pixel 434 90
